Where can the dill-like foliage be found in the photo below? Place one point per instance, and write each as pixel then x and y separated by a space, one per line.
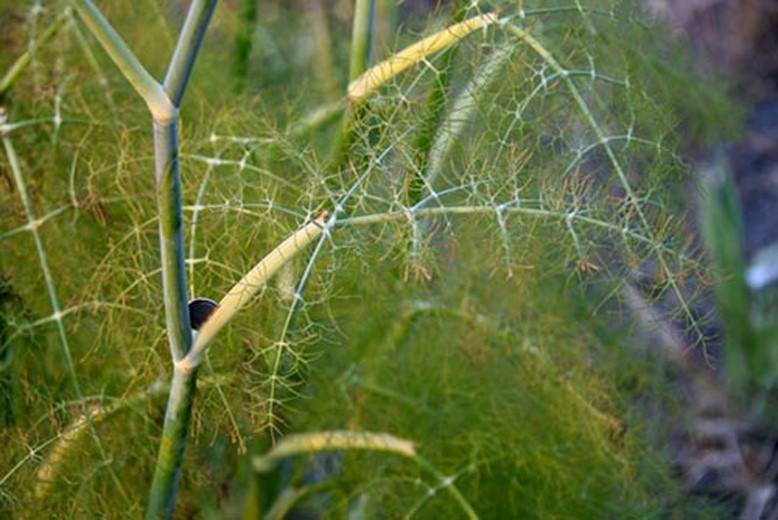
pixel 459 296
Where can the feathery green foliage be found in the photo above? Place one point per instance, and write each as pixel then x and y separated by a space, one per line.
pixel 447 312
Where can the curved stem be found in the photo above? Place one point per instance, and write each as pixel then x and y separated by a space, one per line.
pixel 369 81
pixel 316 442
pixel 242 292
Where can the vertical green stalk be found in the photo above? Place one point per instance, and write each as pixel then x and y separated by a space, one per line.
pixel 163 101
pixel 171 446
pixel 361 37
pixel 175 430
pixel 171 237
pixel 171 240
pixel 361 42
pixel 722 228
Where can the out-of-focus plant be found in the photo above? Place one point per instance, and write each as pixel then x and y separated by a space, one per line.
pixel 745 293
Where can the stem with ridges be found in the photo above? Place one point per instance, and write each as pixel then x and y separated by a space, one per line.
pixel 179 407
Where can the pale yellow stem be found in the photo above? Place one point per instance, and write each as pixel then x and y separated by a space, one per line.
pixel 333 440
pixel 376 76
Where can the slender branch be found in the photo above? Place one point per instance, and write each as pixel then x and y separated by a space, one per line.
pixel 23 61
pixel 189 42
pixel 152 92
pixel 300 443
pixel 361 37
pixel 508 208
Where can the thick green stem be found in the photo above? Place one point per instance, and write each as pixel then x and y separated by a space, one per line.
pixel 163 101
pixel 171 238
pixel 171 447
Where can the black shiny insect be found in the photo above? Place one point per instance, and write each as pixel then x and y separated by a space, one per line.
pixel 199 311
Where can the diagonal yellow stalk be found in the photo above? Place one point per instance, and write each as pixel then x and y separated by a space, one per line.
pixel 379 74
pixel 242 292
